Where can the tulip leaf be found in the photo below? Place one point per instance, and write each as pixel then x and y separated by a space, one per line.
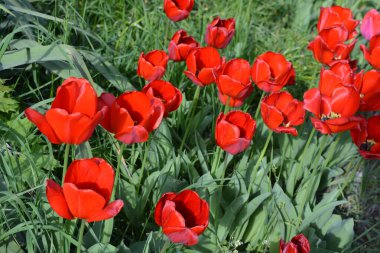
pixel 102 248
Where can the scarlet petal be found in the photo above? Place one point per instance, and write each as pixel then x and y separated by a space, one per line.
pixel 272 117
pixel 207 76
pixel 302 243
pixel 260 71
pixel 373 128
pixel 160 206
pixel 57 201
pixel 110 211
pixel 42 124
pixel 134 134
pixel 194 209
pixel 290 248
pixel 345 101
pixel 182 235
pixel 312 101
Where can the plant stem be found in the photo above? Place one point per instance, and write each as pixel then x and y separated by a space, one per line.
pixel 165 247
pixel 65 161
pixel 147 147
pixel 80 236
pixel 117 175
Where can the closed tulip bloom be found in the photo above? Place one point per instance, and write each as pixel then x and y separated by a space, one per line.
pixel 204 65
pixel 337 16
pixel 271 72
pixel 234 131
pixel 183 216
pixel 369 89
pixel 331 45
pixel 152 66
pixel 298 244
pixel 73 115
pixel 281 112
pixel 333 104
pixel 234 82
pixel 220 32
pixel 169 95
pixel 178 10
pixel 367 137
pixel 86 191
pixel 372 55
pixel 180 46
pixel 370 24
pixel 133 115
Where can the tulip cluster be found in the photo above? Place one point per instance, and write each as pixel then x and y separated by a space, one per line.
pixel 343 90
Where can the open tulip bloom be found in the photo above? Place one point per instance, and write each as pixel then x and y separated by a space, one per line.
pixel 180 46
pixel 73 115
pixel 298 244
pixel 86 191
pixel 152 66
pixel 183 216
pixel 372 54
pixel 178 10
pixel 367 137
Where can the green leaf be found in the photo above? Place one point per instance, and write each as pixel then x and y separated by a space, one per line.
pixel 102 248
pixel 341 235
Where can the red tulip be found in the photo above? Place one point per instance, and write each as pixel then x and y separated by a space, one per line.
pixel 346 72
pixel 271 72
pixel 204 65
pixel 333 104
pixel 337 16
pixel 169 95
pixel 180 46
pixel 73 115
pixel 281 112
pixel 234 82
pixel 105 101
pixel 177 10
pixel 370 24
pixel 367 137
pixel 372 55
pixel 369 90
pixel 183 217
pixel 298 244
pixel 330 46
pixel 86 191
pixel 234 131
pixel 133 115
pixel 152 66
pixel 220 32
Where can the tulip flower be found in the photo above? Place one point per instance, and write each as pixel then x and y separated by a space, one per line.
pixel 367 137
pixel 271 72
pixel 178 10
pixel 298 244
pixel 73 115
pixel 331 45
pixel 372 55
pixel 370 24
pixel 169 95
pixel 86 191
pixel 152 66
pixel 204 65
pixel 183 216
pixel 333 104
pixel 337 16
pixel 234 82
pixel 180 46
pixel 220 32
pixel 234 131
pixel 281 112
pixel 369 89
pixel 105 101
pixel 346 72
pixel 133 115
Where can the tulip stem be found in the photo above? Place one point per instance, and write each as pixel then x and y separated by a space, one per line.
pixel 65 161
pixel 165 247
pixel 257 165
pixel 117 175
pixel 192 111
pixel 80 235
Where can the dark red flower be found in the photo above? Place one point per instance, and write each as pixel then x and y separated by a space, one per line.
pixel 169 95
pixel 152 66
pixel 367 137
pixel 281 112
pixel 234 82
pixel 337 16
pixel 133 115
pixel 73 115
pixel 183 216
pixel 370 24
pixel 177 10
pixel 372 55
pixel 333 104
pixel 330 45
pixel 220 32
pixel 271 72
pixel 180 46
pixel 204 65
pixel 369 89
pixel 298 244
pixel 234 131
pixel 86 191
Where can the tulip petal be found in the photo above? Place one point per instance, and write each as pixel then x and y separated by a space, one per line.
pixel 272 117
pixel 182 235
pixel 345 101
pixel 160 205
pixel 134 134
pixel 312 101
pixel 110 211
pixel 194 209
pixel 57 201
pixel 373 128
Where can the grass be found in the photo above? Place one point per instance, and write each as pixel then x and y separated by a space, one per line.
pixel 102 40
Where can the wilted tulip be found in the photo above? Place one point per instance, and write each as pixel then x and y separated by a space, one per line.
pixel 152 66
pixel 271 72
pixel 183 216
pixel 73 115
pixel 177 10
pixel 86 191
pixel 180 46
pixel 220 32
